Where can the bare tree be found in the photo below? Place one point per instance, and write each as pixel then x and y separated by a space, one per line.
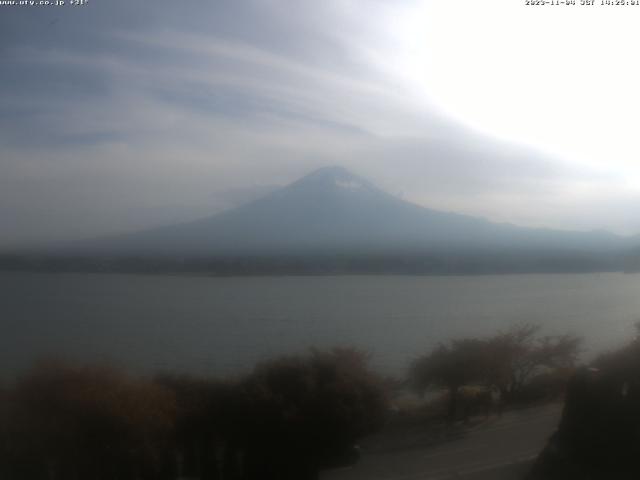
pixel 514 357
pixel 508 361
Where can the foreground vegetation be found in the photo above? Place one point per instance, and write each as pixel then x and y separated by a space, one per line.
pixel 288 419
pixel 513 366
pixel 599 433
pixel 291 417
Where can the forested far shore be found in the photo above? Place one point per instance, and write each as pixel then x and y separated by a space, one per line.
pixel 331 264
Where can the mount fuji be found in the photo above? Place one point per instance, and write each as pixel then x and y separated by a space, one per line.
pixel 335 221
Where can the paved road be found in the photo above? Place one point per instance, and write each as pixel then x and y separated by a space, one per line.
pixel 498 449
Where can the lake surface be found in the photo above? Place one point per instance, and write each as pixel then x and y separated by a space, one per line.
pixel 224 325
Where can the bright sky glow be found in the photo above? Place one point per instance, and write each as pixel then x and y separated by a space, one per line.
pixel 564 79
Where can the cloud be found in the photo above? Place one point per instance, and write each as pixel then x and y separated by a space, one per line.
pixel 117 117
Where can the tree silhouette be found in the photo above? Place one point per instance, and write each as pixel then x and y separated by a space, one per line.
pixel 508 361
pixel 305 413
pixel 204 425
pixel 598 436
pixel 70 422
pixel 514 357
pixel 451 366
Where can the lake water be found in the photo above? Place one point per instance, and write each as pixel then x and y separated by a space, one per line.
pixel 224 325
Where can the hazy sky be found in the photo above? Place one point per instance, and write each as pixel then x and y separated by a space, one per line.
pixel 124 114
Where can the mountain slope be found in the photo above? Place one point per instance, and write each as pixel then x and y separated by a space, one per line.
pixel 332 211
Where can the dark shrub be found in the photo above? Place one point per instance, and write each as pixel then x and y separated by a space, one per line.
pixel 4 432
pixel 288 419
pixel 599 434
pixel 305 413
pixel 450 366
pixel 69 422
pixel 547 386
pixel 205 423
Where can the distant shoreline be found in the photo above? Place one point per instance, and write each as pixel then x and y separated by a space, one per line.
pixel 317 267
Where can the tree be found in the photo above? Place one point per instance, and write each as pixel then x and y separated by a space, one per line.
pixel 304 413
pixel 451 366
pixel 203 423
pixel 4 432
pixel 74 422
pixel 514 357
pixel 598 434
pixel 508 361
